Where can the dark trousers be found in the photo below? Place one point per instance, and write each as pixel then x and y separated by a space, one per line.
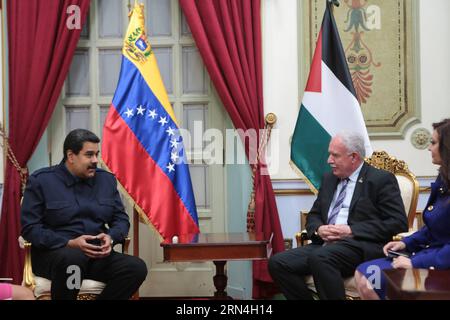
pixel 327 264
pixel 123 274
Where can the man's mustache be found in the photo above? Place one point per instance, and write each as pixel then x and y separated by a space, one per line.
pixel 94 166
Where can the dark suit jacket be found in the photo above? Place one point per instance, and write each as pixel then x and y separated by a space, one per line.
pixel 376 211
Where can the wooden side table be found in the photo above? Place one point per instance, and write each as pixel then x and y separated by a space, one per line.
pixel 219 248
pixel 417 284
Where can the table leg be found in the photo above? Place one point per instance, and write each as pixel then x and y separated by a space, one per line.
pixel 220 280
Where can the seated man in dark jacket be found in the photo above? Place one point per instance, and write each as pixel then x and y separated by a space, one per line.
pixel 357 210
pixel 72 214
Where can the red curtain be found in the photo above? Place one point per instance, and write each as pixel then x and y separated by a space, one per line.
pixel 40 50
pixel 228 36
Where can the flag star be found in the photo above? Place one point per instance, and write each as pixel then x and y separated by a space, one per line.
pixel 170 167
pixel 170 131
pixel 163 121
pixel 152 114
pixel 174 156
pixel 140 110
pixel 174 143
pixel 129 113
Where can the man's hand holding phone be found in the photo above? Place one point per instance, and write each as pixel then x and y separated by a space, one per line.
pixel 105 244
pixel 95 247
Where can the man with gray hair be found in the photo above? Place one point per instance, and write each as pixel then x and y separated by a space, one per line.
pixel 358 210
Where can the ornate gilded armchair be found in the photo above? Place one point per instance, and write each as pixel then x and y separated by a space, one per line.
pixel 40 286
pixel 409 189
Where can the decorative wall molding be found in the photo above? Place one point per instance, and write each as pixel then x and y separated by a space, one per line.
pixel 420 138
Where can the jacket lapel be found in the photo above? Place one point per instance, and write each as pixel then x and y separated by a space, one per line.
pixel 358 187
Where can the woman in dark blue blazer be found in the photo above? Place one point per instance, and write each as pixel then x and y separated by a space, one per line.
pixel 429 246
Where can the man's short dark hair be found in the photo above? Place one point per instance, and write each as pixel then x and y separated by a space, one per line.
pixel 75 140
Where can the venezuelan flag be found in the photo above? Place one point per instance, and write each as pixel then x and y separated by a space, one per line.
pixel 142 145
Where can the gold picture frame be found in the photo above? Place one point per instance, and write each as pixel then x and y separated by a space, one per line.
pixel 379 38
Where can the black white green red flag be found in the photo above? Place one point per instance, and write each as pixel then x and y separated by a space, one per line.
pixel 329 106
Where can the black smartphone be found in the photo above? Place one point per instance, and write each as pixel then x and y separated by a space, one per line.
pixel 395 254
pixel 95 242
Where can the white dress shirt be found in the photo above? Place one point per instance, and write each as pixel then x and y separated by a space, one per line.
pixel 343 213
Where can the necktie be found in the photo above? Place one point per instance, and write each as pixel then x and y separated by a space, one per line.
pixel 338 204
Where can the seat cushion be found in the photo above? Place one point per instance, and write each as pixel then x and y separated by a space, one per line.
pixel 349 284
pixel 88 286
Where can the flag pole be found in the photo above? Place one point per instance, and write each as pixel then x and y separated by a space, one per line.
pixel 336 4
pixel 135 212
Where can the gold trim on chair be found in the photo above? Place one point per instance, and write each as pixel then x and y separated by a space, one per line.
pixel 28 278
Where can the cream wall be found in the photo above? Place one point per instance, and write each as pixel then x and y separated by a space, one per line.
pixel 281 79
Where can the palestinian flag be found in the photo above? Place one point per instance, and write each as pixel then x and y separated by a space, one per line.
pixel 329 106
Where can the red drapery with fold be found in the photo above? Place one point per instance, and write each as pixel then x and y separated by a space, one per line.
pixel 40 50
pixel 228 36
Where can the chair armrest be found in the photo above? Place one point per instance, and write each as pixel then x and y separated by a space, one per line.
pixel 400 236
pixel 419 224
pixel 125 244
pixel 302 238
pixel 298 238
pixel 303 217
pixel 419 219
pixel 28 276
